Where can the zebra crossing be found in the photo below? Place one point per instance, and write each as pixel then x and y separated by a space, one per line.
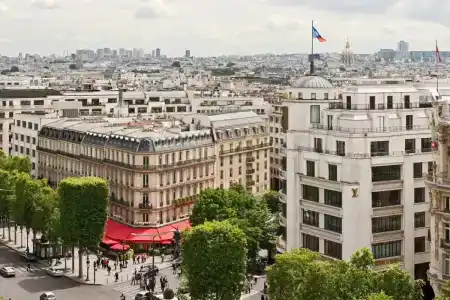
pixel 130 290
pixel 21 269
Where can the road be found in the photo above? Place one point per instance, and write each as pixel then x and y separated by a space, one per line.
pixel 30 285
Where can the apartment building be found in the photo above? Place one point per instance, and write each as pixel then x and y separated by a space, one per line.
pixel 278 141
pixel 243 148
pixel 354 173
pixel 154 172
pixel 438 182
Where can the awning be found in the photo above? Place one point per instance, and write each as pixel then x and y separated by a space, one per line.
pixel 119 232
pixel 120 247
pixel 108 241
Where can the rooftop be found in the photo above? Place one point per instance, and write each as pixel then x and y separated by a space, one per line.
pixel 312 82
pixel 28 93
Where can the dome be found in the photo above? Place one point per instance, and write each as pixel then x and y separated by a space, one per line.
pixel 312 82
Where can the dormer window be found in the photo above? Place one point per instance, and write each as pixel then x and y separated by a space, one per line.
pixel 313 96
pixel 300 96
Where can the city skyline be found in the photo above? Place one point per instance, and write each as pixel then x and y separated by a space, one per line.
pixel 257 26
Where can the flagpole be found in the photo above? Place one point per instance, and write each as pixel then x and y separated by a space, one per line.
pixel 437 61
pixel 311 69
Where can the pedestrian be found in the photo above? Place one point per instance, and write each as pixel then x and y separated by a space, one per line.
pixel 133 279
pixel 262 297
pixel 116 276
pixel 255 280
pixel 174 269
pixel 265 288
pixel 28 267
pixel 162 257
pixel 109 270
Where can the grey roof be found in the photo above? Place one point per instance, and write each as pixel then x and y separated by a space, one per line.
pixel 312 82
pixel 235 119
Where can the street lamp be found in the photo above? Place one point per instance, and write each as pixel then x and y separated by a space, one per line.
pixel 87 266
pixel 95 270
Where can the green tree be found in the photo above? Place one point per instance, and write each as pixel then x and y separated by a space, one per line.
pixel 46 206
pixel 6 196
pixel 444 292
pixel 21 164
pixel 272 200
pixel 379 296
pixel 214 256
pixel 83 212
pixel 303 274
pixel 176 64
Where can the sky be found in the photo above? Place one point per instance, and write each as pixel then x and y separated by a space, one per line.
pixel 215 27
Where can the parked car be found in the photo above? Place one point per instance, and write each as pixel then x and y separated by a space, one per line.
pixel 47 296
pixel 8 272
pixel 55 272
pixel 28 257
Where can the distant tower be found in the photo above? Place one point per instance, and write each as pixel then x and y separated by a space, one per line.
pixel 158 52
pixel 187 53
pixel 347 56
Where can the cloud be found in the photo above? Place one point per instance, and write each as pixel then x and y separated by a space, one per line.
pixel 153 10
pixel 45 4
pixel 282 22
pixel 348 6
pixel 3 7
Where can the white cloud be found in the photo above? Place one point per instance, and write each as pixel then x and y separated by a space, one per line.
pixel 45 4
pixel 3 7
pixel 153 10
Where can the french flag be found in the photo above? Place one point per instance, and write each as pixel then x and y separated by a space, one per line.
pixel 317 35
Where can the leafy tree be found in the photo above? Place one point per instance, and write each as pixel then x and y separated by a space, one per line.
pixel 83 212
pixel 379 296
pixel 6 196
pixel 14 69
pixel 272 200
pixel 72 66
pixel 176 64
pixel 18 163
pixel 230 64
pixel 302 274
pixel 46 206
pixel 445 291
pixel 210 275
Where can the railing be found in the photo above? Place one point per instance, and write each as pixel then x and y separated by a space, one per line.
pixel 281 244
pixel 438 178
pixel 247 148
pixel 377 106
pixel 369 130
pixel 365 155
pixel 388 261
pixel 282 196
pixel 445 243
pixel 250 183
pixel 251 171
pixel 282 219
pixel 386 176
pixel 250 159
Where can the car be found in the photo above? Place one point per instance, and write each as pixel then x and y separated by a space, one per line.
pixel 28 257
pixel 8 271
pixel 47 296
pixel 55 272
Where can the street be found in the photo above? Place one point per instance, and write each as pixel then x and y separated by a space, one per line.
pixel 31 284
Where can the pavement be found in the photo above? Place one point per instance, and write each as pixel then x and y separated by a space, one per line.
pixel 101 275
pixel 31 284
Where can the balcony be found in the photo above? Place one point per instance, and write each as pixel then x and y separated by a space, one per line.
pixel 282 219
pixel 384 262
pixel 364 155
pixel 282 196
pixel 281 244
pixel 250 172
pixel 282 173
pixel 145 206
pixel 250 159
pixel 250 183
pixel 369 130
pixel 441 180
pixel 283 150
pixel 377 106
pixel 445 244
pixel 244 149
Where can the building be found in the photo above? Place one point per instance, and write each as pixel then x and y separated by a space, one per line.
pixel 242 142
pixel 354 173
pixel 403 47
pixel 278 141
pixel 158 52
pixel 347 56
pixel 438 183
pixel 187 53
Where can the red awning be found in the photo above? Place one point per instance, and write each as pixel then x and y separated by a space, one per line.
pixel 121 232
pixel 119 247
pixel 108 241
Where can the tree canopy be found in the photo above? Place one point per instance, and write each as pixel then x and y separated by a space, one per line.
pixel 242 209
pixel 214 261
pixel 272 200
pixel 444 292
pixel 303 274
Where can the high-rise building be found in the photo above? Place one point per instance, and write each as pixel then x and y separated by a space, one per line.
pixel 187 53
pixel 402 46
pixel 158 52
pixel 153 53
pixel 354 172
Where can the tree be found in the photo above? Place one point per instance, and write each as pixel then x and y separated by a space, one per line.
pixel 21 164
pixel 230 64
pixel 6 196
pixel 73 66
pixel 176 64
pixel 379 296
pixel 303 274
pixel 46 206
pixel 83 212
pixel 14 69
pixel 444 292
pixel 272 200
pixel 209 248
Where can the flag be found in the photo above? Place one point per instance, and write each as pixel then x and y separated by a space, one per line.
pixel 438 54
pixel 316 35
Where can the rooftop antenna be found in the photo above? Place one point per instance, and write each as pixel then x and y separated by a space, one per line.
pixel 311 68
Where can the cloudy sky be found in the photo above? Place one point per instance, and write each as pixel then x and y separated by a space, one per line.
pixel 213 27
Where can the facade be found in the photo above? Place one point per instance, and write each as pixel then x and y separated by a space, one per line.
pixel 154 173
pixel 278 141
pixel 354 174
pixel 438 183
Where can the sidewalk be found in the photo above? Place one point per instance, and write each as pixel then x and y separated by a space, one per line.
pixel 101 275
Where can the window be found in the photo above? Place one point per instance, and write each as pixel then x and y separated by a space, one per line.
pixel 332 172
pixel 389 249
pixel 310 193
pixel 425 144
pixel 447 232
pixel 314 114
pixel 417 167
pixel 419 220
pixel 419 244
pixel 447 264
pixel 318 145
pixel 333 198
pixel 332 249
pixel 409 122
pixel 386 173
pixel 410 145
pixel 379 148
pixel 348 102
pixel 407 101
pixel 325 96
pixel 313 95
pixel 310 217
pixel 446 203
pixel 419 195
pixel 333 223
pixel 299 96
pixel 390 102
pixel 340 148
pixel 384 224
pixel 310 242
pixel 372 102
pixel 386 198
pixel 310 168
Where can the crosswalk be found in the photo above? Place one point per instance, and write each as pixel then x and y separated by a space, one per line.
pixel 22 269
pixel 130 290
